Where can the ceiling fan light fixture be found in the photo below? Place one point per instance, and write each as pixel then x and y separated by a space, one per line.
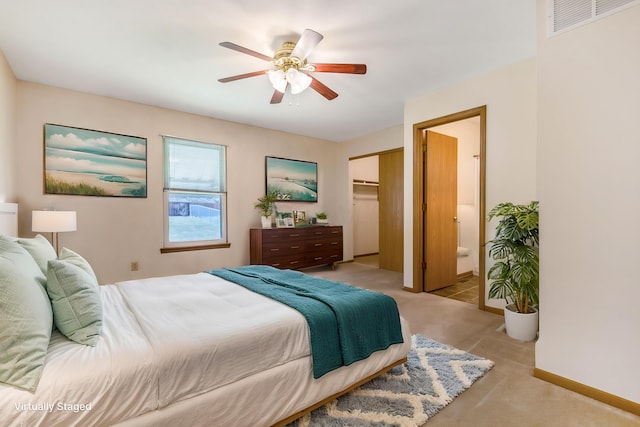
pixel 278 80
pixel 290 67
pixel 299 82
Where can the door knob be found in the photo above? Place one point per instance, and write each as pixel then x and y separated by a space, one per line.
pixel 455 218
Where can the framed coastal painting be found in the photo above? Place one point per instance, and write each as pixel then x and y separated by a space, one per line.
pixel 94 163
pixel 292 180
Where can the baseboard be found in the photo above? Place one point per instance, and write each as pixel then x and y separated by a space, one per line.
pixel 594 393
pixel 361 255
pixel 465 275
pixel 494 310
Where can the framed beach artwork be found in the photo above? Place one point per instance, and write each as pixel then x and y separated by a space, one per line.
pixel 94 163
pixel 292 180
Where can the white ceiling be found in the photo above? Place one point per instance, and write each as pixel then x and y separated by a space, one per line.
pixel 166 53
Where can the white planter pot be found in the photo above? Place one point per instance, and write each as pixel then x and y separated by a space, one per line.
pixel 521 326
pixel 266 221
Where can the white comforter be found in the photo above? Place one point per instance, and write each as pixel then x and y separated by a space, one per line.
pixel 167 340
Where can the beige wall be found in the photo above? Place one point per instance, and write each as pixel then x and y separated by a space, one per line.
pixel 7 131
pixel 113 232
pixel 510 96
pixel 588 182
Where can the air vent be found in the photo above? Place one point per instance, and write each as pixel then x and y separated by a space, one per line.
pixel 569 14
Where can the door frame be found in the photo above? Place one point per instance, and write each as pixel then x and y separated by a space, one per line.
pixel 418 195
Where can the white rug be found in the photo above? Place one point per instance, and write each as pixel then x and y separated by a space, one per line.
pixel 409 394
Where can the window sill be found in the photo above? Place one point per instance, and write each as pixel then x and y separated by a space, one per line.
pixel 193 248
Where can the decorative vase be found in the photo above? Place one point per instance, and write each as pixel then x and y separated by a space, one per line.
pixel 266 221
pixel 521 326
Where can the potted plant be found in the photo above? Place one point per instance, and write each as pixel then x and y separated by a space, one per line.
pixel 265 205
pixel 321 218
pixel 515 275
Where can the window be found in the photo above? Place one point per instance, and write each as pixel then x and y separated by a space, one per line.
pixel 195 195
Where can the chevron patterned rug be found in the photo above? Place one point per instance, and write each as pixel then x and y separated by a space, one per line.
pixel 408 395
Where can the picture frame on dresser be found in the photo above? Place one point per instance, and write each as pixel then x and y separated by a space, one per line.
pixel 285 222
pixel 291 180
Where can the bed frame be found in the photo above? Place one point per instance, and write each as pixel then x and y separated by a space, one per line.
pixel 323 402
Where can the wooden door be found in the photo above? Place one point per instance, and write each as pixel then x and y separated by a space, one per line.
pixel 440 221
pixel 391 210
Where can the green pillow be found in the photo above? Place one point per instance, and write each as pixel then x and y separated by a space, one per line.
pixel 40 249
pixel 75 299
pixel 75 259
pixel 25 317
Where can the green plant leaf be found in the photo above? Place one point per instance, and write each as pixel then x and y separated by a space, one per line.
pixel 515 275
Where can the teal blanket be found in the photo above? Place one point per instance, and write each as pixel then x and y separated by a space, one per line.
pixel 346 324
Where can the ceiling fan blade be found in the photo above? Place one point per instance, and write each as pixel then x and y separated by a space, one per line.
pixel 308 40
pixel 277 97
pixel 322 89
pixel 239 48
pixel 341 68
pixel 242 76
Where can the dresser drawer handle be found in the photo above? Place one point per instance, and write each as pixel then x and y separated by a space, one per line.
pixel 317 244
pixel 274 249
pixel 295 247
pixel 333 256
pixel 334 243
pixel 294 262
pixel 318 233
pixel 335 232
pixel 318 258
pixel 294 235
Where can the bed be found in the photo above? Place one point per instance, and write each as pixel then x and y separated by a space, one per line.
pixel 191 349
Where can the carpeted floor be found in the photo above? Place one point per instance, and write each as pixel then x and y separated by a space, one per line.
pixel 465 289
pixel 508 395
pixel 408 395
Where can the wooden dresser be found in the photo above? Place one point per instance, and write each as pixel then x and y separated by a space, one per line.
pixel 295 248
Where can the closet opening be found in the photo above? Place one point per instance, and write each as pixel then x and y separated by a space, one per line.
pixel 378 200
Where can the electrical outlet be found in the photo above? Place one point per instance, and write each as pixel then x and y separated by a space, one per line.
pixel 134 266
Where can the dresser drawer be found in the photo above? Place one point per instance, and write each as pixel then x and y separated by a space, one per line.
pixel 321 258
pixel 324 233
pixel 323 245
pixel 285 261
pixel 283 246
pixel 280 235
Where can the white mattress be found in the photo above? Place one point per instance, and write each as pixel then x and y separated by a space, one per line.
pixel 171 344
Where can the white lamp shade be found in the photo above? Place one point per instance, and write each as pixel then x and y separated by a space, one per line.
pixel 53 221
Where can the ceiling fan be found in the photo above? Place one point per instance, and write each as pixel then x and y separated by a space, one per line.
pixel 291 67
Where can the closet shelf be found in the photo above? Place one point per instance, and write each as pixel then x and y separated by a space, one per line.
pixel 363 182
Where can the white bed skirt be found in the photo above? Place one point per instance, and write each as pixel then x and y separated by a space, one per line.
pixel 270 396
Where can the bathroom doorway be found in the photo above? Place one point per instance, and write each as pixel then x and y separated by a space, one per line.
pixel 469 127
